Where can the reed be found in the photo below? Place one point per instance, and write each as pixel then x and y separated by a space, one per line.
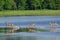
pixel 30 13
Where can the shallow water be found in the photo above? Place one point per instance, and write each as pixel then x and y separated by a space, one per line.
pixel 23 21
pixel 30 36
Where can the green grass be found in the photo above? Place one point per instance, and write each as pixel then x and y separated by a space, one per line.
pixel 30 13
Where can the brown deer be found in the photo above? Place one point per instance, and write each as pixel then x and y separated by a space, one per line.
pixel 30 27
pixel 53 29
pixel 11 25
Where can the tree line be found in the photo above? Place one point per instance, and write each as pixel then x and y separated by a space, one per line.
pixel 29 4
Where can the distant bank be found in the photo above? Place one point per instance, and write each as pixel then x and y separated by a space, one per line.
pixel 29 13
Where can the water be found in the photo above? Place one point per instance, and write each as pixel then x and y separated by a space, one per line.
pixel 23 21
pixel 29 36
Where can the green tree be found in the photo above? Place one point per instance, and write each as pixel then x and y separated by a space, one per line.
pixel 35 4
pixel 46 4
pixel 57 3
pixel 1 4
pixel 29 4
pixel 40 6
pixel 9 4
pixel 21 4
pixel 52 4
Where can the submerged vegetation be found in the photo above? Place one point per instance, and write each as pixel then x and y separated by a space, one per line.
pixel 4 30
pixel 27 30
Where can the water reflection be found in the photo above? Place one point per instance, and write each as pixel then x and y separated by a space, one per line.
pixel 26 38
pixel 42 21
pixel 30 36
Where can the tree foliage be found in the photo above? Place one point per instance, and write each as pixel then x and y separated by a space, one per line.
pixel 1 4
pixel 9 4
pixel 29 4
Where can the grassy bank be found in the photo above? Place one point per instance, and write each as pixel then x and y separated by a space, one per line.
pixel 30 13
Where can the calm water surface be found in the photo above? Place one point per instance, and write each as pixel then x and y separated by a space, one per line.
pixel 23 21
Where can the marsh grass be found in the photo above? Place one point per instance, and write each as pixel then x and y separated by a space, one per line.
pixel 30 13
